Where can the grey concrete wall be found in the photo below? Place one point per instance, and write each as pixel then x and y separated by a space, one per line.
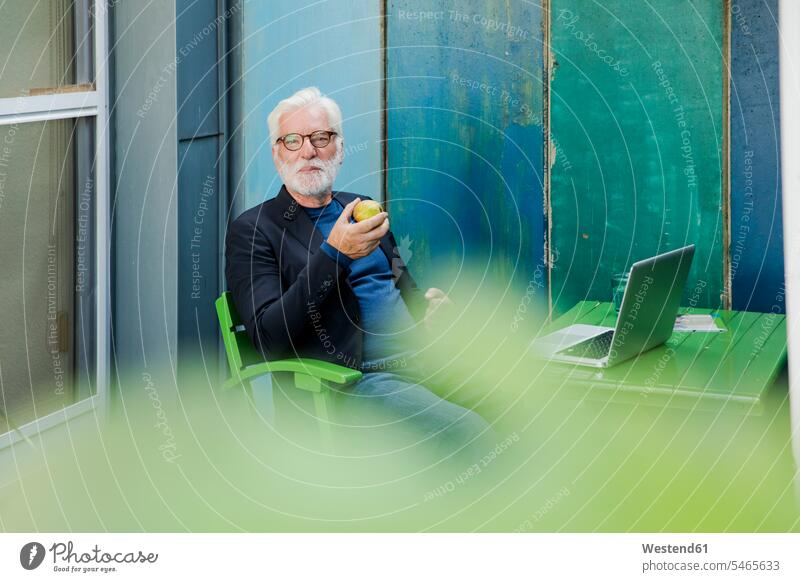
pixel 144 184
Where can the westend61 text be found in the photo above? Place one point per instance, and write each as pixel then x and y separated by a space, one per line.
pixel 670 549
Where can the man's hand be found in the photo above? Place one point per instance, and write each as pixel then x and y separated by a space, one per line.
pixel 438 305
pixel 358 239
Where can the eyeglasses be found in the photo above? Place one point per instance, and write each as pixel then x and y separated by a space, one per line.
pixel 318 139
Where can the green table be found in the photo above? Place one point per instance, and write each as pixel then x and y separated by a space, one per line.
pixel 732 369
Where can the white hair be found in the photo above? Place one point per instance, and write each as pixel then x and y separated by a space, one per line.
pixel 310 96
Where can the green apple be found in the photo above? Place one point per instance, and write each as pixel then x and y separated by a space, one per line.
pixel 366 209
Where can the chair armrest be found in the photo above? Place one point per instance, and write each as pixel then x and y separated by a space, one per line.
pixel 318 370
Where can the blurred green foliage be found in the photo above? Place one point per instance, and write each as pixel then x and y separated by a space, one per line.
pixel 190 457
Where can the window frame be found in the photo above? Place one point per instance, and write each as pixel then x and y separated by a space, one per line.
pixel 94 103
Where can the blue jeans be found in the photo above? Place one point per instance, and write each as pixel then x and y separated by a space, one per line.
pixel 390 397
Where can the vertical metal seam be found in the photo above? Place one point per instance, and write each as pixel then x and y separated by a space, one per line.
pixel 546 138
pixel 112 388
pixel 384 103
pixel 727 294
pixel 223 155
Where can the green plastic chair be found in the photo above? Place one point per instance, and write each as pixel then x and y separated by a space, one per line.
pixel 303 374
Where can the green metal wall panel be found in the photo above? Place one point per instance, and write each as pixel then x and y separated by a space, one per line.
pixel 637 122
pixel 756 241
pixel 464 133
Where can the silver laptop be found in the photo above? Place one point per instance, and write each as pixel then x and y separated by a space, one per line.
pixel 646 316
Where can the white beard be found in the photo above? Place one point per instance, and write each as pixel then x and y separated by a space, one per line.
pixel 312 184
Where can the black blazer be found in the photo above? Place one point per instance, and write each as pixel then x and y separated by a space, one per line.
pixel 294 300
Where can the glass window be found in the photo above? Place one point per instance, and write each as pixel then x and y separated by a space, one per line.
pixel 47 193
pixel 53 205
pixel 45 47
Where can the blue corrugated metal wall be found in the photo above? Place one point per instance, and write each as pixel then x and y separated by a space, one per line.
pixel 464 126
pixel 334 45
pixel 464 132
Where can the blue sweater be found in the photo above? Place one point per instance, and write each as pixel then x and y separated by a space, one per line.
pixel 385 318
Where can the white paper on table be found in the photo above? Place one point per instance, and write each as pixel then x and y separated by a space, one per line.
pixel 702 323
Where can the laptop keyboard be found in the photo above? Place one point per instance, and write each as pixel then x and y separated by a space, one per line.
pixel 594 348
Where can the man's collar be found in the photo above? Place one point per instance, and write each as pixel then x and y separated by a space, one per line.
pixel 289 207
pixel 296 221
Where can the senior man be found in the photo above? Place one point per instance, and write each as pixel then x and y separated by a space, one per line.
pixel 310 281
